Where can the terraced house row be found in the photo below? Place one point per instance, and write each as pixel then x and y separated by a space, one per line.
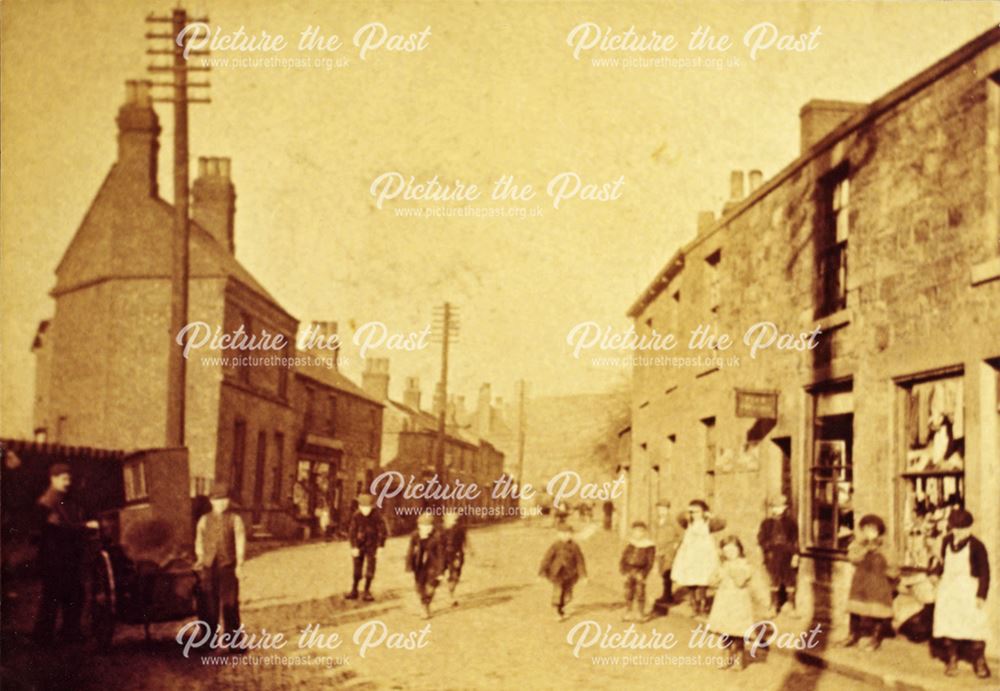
pixel 885 234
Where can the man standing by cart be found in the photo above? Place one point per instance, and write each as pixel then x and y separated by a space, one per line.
pixel 220 546
pixel 60 558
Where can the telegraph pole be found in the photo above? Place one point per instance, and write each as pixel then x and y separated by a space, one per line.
pixel 180 265
pixel 521 385
pixel 445 328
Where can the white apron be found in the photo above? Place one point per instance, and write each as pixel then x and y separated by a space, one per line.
pixel 955 613
pixel 697 557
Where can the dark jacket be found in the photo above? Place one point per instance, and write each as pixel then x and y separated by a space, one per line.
pixel 979 561
pixel 453 540
pixel 563 563
pixel 367 533
pixel 425 558
pixel 63 532
pixel 871 585
pixel 638 558
pixel 779 534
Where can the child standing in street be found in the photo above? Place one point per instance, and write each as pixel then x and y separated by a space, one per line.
pixel 960 609
pixel 870 599
pixel 697 557
pixel 455 541
pixel 367 532
pixel 635 565
pixel 732 610
pixel 563 565
pixel 779 541
pixel 425 560
pixel 668 539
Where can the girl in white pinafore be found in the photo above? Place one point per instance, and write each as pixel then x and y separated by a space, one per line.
pixel 960 606
pixel 698 555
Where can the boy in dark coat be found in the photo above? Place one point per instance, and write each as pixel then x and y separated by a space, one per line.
pixel 425 560
pixel 960 611
pixel 778 538
pixel 870 599
pixel 563 565
pixel 367 532
pixel 455 541
pixel 635 564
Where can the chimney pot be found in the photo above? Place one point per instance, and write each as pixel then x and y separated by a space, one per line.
pixel 756 178
pixel 224 166
pixel 202 166
pixel 736 185
pixel 130 91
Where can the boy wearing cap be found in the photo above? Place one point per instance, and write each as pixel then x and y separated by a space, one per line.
pixel 367 532
pixel 425 560
pixel 870 599
pixel 778 538
pixel 220 547
pixel 60 558
pixel 563 565
pixel 960 607
pixel 454 541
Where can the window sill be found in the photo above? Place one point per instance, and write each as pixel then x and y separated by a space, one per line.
pixel 841 317
pixel 986 271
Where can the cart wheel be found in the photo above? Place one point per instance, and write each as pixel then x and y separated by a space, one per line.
pixel 102 601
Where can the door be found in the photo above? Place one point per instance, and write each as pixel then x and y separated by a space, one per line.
pixel 258 478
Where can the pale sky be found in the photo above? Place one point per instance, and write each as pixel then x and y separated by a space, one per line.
pixel 496 92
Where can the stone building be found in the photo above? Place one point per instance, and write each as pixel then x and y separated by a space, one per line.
pixel 102 358
pixel 884 234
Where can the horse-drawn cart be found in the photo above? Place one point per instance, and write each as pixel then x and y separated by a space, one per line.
pixel 139 563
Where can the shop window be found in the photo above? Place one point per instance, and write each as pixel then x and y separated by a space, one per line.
pixel 831 474
pixel 831 243
pixel 933 478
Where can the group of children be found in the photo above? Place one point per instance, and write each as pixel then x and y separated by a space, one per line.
pixel 688 557
pixel 432 554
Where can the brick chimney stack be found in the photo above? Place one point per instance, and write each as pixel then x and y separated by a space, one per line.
pixel 138 139
pixel 411 394
pixel 484 410
pixel 375 378
pixel 214 200
pixel 818 118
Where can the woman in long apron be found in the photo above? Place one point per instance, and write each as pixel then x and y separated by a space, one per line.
pixel 960 607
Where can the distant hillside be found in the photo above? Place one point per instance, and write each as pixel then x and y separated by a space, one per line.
pixel 577 432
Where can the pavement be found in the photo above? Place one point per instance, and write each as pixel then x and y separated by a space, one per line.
pixel 502 634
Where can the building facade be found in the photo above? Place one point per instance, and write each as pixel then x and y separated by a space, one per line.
pixel 860 287
pixel 409 447
pixel 101 360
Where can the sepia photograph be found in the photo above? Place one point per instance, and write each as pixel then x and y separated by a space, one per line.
pixel 500 344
